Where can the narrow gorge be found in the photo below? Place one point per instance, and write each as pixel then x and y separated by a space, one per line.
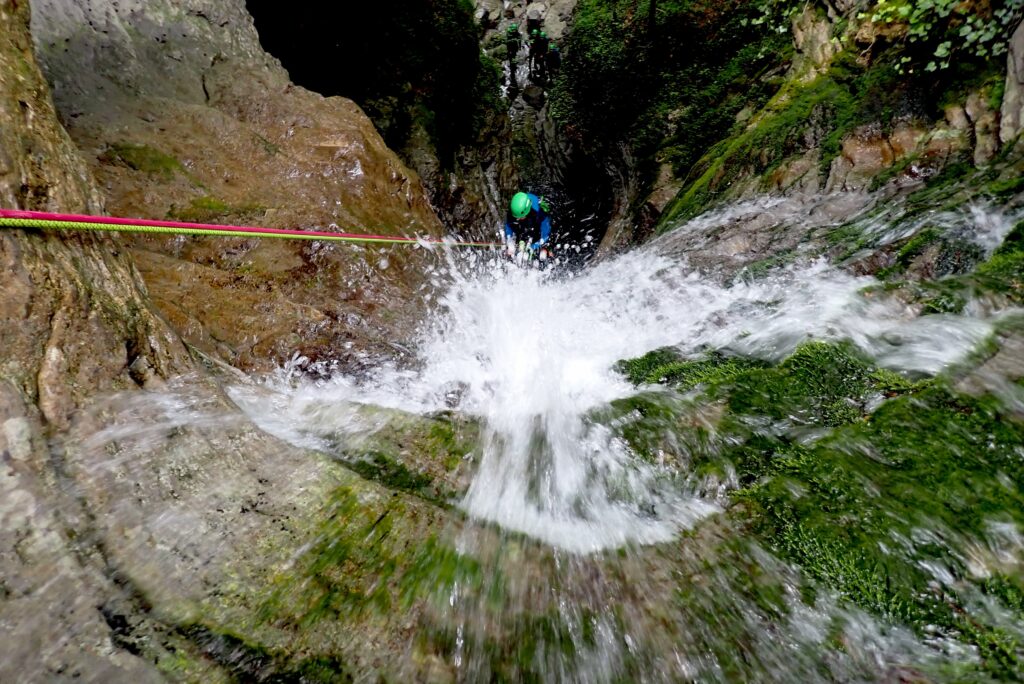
pixel 761 418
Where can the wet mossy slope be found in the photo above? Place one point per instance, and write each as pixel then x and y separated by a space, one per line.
pixel 900 496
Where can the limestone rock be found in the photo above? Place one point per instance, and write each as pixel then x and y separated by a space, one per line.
pixel 812 37
pixel 864 155
pixel 1012 118
pixel 665 188
pixel 985 123
pixel 797 175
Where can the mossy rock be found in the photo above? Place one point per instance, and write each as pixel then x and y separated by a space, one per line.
pixel 208 209
pixel 428 456
pixel 892 456
pixel 143 158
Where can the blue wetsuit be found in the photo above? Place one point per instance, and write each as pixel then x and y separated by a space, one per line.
pixel 534 229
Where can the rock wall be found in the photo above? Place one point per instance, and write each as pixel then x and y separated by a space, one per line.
pixel 821 131
pixel 155 534
pixel 181 114
pixel 74 320
pixel 719 101
pixel 75 314
pixel 1012 112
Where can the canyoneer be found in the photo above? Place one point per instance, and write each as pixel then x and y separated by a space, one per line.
pixel 554 60
pixel 528 228
pixel 536 56
pixel 513 43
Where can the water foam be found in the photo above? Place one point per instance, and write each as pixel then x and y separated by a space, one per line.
pixel 533 355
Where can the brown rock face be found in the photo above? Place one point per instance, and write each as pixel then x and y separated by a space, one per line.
pixel 194 121
pixel 74 314
pixel 73 320
pixel 128 519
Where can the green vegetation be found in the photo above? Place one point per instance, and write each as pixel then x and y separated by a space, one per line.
pixel 821 114
pixel 525 646
pixel 412 454
pixel 949 255
pixel 363 566
pixel 248 661
pixel 389 472
pixel 703 86
pixel 875 506
pixel 665 89
pixel 208 209
pixel 1004 272
pixel 143 158
pixel 665 366
pixel 851 508
pixel 939 32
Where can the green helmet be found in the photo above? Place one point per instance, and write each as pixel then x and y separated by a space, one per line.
pixel 553 47
pixel 534 32
pixel 513 27
pixel 543 35
pixel 520 205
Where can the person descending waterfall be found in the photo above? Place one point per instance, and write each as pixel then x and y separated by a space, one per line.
pixel 513 43
pixel 554 60
pixel 538 55
pixel 528 227
pixel 542 55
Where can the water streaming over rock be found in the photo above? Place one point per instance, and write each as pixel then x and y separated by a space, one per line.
pixel 589 531
pixel 533 354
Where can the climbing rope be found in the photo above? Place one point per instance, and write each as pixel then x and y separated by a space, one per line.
pixel 13 218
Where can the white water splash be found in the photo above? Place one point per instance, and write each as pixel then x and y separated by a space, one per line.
pixel 532 356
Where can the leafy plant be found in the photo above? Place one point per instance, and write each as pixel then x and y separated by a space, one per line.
pixel 946 29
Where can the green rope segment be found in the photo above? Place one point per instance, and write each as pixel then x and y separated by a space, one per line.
pixel 183 230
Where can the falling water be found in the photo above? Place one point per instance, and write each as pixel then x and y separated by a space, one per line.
pixel 531 355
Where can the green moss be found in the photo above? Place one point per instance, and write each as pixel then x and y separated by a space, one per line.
pixel 208 209
pixel 368 561
pixel 777 132
pixel 759 269
pixel 1004 271
pixel 948 295
pixel 1013 243
pixel 450 441
pixel 143 158
pixel 436 568
pixel 647 422
pixel 849 506
pixel 642 369
pixel 1006 188
pixel 820 382
pixel 390 473
pixel 248 661
pixel 520 647
pixel 664 366
pixel 414 454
